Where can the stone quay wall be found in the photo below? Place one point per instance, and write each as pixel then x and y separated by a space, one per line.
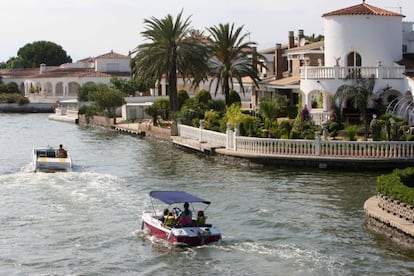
pixel 392 218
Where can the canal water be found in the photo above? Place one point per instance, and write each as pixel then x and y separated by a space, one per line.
pixel 87 222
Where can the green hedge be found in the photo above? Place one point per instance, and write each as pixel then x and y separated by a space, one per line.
pixel 398 185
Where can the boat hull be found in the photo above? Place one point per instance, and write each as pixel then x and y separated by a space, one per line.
pixel 181 236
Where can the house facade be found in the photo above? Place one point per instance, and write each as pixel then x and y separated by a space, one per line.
pixel 283 64
pixel 49 84
pixel 369 41
pixel 362 38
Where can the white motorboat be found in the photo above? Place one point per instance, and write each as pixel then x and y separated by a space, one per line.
pixel 49 159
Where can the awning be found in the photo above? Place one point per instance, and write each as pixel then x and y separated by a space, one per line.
pixel 171 197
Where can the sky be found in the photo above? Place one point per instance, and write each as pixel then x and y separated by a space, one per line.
pixel 89 28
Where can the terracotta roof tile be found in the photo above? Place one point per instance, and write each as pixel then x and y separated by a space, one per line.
pixel 111 54
pixel 18 73
pixel 58 72
pixel 363 9
pixel 75 72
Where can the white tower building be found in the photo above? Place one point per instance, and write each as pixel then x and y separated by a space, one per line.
pixel 363 38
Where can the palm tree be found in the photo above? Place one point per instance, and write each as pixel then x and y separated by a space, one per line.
pixel 232 58
pixel 360 92
pixel 170 50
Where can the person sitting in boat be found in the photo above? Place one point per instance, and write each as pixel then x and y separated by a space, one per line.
pixel 201 218
pixel 185 218
pixel 62 153
pixel 169 219
pixel 186 208
pixel 164 214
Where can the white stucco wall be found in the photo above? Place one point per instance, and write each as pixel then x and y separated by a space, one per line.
pixel 375 38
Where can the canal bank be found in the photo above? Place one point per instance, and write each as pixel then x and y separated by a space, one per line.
pixel 390 218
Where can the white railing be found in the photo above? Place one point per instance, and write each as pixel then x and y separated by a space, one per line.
pixel 296 147
pixel 317 147
pixel 267 146
pixel 337 72
pixel 188 131
pixel 203 135
pixel 371 149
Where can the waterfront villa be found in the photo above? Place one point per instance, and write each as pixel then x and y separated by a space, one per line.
pixel 361 38
pixel 49 84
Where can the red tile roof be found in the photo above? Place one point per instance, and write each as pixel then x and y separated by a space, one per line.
pixel 17 73
pixel 362 9
pixel 58 72
pixel 111 54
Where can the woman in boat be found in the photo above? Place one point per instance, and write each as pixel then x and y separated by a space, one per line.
pixel 186 208
pixel 185 218
pixel 201 218
pixel 169 219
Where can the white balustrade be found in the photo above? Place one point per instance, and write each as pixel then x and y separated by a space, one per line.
pixel 297 147
pixel 337 72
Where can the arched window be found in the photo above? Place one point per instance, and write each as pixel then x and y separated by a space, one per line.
pixel 354 59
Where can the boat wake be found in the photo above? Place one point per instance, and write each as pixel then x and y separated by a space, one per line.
pixel 310 260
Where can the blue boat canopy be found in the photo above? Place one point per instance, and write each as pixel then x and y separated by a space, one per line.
pixel 171 197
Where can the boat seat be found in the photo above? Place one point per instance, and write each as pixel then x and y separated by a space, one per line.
pixel 51 153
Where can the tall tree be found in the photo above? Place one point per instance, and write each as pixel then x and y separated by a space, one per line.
pixel 170 50
pixel 232 58
pixel 33 54
pixel 359 91
pixel 108 100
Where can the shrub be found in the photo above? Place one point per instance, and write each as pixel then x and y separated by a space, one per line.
pixel 304 129
pixel 284 129
pixel 249 125
pixel 376 129
pixel 351 132
pixel 203 96
pixel 89 110
pixel 217 105
pixel 334 129
pixel 191 113
pixel 212 120
pixel 163 107
pixel 397 185
pixel 182 96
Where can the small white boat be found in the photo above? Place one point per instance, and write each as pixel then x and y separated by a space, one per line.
pixel 196 233
pixel 50 159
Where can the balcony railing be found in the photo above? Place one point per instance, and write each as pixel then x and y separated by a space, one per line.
pixel 337 72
